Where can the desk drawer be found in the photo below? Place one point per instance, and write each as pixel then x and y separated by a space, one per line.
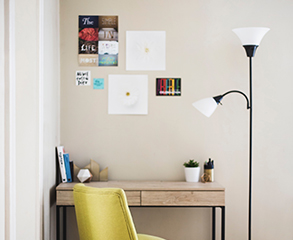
pixel 133 198
pixel 65 198
pixel 183 198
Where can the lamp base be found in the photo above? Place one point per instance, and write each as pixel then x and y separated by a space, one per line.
pixel 250 50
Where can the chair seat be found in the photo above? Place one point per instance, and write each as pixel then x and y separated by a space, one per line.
pixel 148 237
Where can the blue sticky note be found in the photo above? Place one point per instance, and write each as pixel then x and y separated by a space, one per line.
pixel 98 83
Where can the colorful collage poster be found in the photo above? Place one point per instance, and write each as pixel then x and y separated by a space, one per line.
pixel 168 87
pixel 98 41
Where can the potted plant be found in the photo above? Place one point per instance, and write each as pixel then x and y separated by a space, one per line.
pixel 192 171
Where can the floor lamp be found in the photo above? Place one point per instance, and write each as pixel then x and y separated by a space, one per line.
pixel 250 39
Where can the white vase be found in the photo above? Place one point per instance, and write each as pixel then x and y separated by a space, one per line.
pixel 192 174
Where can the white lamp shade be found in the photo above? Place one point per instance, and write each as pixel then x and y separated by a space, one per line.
pixel 250 36
pixel 206 106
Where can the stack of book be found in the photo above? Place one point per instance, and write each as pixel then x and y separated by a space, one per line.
pixel 65 165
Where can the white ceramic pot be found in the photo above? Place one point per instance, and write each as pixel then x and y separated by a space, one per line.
pixel 192 174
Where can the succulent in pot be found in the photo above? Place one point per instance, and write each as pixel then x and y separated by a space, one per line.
pixel 192 171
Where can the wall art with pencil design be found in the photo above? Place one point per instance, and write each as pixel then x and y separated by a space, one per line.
pixel 168 87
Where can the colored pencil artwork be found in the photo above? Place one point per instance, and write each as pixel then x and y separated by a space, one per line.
pixel 168 87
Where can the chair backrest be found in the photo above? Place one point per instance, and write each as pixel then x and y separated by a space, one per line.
pixel 103 214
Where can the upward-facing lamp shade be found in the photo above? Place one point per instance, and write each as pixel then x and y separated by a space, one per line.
pixel 206 106
pixel 251 35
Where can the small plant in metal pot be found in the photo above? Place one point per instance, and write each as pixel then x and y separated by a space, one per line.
pixel 192 171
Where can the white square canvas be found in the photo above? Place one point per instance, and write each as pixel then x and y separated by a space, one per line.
pixel 146 50
pixel 128 94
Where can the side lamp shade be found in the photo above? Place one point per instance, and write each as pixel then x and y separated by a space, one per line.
pixel 250 36
pixel 206 106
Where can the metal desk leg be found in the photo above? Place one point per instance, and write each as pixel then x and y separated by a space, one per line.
pixel 223 223
pixel 57 223
pixel 64 223
pixel 214 223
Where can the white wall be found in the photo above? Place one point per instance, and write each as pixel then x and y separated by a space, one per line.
pixel 32 117
pixel 203 50
pixel 27 125
pixel 9 102
pixel 2 128
pixel 51 106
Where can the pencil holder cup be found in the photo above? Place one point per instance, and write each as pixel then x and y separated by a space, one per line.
pixel 209 170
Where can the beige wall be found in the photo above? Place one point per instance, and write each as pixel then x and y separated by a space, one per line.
pixel 207 55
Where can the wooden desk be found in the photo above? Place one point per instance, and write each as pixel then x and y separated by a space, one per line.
pixel 154 194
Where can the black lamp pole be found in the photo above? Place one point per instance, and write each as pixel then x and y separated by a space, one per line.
pixel 250 153
pixel 250 51
pixel 250 39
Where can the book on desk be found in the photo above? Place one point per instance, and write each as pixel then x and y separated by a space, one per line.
pixel 65 170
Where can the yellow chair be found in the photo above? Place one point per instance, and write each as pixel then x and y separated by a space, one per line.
pixel 103 214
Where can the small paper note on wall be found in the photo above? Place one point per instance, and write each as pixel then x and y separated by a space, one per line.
pixel 98 83
pixel 83 78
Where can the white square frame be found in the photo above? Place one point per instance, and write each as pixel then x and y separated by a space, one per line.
pixel 128 94
pixel 145 50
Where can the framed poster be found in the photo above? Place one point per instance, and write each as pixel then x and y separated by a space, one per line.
pixel 128 94
pixel 145 50
pixel 168 87
pixel 98 41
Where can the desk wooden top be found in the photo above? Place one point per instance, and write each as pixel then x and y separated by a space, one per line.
pixel 149 186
